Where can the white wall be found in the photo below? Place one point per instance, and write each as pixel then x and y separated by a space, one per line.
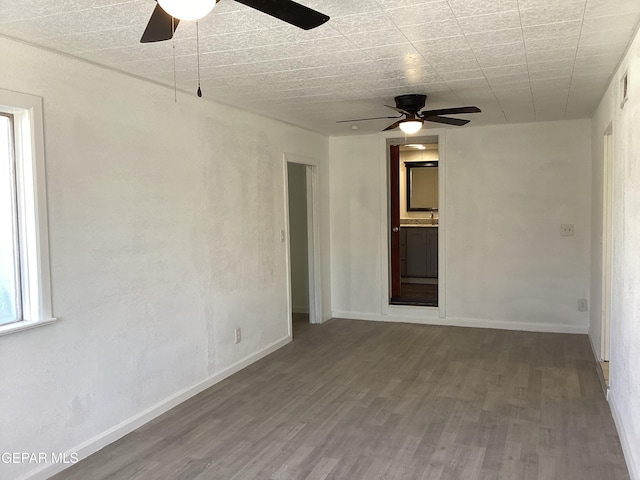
pixel 624 368
pixel 297 180
pixel 165 226
pixel 507 190
pixel 355 183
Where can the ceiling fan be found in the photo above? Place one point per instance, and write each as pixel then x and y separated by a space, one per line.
pixel 168 13
pixel 410 107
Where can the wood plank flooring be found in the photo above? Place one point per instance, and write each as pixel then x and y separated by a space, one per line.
pixel 419 294
pixel 364 400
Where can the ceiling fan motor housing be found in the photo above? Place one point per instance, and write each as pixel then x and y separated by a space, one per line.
pixel 411 103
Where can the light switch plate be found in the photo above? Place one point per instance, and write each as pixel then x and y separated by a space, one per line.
pixel 583 305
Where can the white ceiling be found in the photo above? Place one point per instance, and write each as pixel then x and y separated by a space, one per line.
pixel 518 60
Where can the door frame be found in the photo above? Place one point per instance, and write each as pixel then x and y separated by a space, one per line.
pixel 436 135
pixel 313 237
pixel 607 244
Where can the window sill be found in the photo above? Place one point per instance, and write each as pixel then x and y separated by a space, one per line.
pixel 24 325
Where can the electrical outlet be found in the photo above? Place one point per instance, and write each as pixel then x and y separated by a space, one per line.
pixel 583 305
pixel 238 335
pixel 566 230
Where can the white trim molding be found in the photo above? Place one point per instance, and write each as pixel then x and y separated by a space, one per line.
pixel 32 210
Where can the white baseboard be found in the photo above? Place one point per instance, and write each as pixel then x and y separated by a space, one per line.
pixel 631 454
pixel 467 322
pixel 109 436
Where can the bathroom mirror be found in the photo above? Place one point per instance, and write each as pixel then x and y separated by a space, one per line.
pixel 422 186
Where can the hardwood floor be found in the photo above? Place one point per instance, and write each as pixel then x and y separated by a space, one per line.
pixel 418 294
pixel 365 400
pixel 300 324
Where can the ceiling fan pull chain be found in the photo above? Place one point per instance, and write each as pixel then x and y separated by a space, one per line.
pixel 198 56
pixel 173 50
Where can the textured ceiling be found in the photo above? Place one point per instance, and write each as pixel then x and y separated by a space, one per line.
pixel 518 60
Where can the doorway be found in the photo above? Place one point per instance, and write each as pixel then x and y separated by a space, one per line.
pixel 607 201
pixel 414 230
pixel 303 241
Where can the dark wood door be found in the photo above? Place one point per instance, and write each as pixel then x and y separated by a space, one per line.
pixel 394 227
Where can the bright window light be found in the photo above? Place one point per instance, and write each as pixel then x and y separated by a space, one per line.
pixel 10 291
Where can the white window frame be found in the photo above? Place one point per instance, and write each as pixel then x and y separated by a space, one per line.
pixel 32 210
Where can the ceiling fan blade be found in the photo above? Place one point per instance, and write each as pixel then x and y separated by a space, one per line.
pixel 458 122
pixel 365 119
pixel 399 110
pixel 161 26
pixel 392 127
pixel 449 111
pixel 289 11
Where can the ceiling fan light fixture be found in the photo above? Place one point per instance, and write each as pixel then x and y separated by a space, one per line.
pixel 187 9
pixel 410 126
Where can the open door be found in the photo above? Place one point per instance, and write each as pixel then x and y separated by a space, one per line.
pixel 414 196
pixel 394 195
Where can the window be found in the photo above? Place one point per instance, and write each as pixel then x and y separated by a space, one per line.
pixel 25 293
pixel 10 296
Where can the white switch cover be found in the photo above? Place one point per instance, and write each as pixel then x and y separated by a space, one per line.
pixel 566 230
pixel 282 238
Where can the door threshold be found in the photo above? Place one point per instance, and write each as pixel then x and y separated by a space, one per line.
pixel 415 302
